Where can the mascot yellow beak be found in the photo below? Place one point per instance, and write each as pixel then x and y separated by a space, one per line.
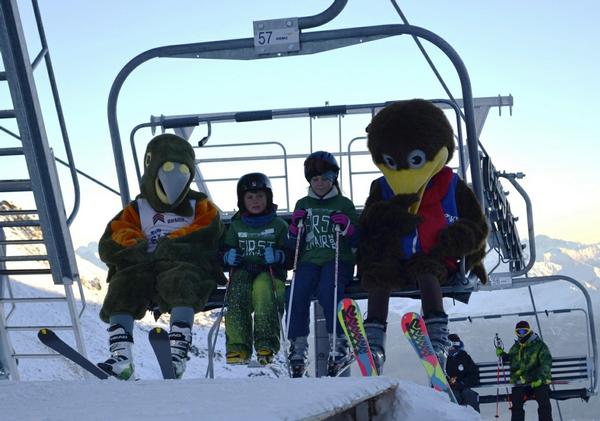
pixel 171 181
pixel 414 180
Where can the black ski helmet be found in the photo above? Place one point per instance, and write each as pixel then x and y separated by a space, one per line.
pixel 320 162
pixel 253 182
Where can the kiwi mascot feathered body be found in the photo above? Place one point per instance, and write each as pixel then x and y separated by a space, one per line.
pixel 161 249
pixel 419 219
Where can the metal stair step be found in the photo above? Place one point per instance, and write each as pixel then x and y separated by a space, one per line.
pixel 25 272
pixel 21 223
pixel 7 114
pixel 24 258
pixel 41 355
pixel 20 242
pixel 11 151
pixel 12 212
pixel 15 185
pixel 38 327
pixel 32 300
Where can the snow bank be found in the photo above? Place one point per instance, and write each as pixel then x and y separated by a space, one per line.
pixel 249 399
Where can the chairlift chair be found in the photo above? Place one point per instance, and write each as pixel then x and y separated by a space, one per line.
pixel 474 162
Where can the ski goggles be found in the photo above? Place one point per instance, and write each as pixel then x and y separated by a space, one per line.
pixel 522 331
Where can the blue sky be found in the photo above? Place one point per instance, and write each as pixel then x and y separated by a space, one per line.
pixel 544 53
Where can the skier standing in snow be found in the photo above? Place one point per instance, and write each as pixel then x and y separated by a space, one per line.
pixel 462 373
pixel 530 372
pixel 162 248
pixel 319 213
pixel 255 252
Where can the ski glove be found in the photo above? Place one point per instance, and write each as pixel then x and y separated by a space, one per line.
pixel 536 383
pixel 297 217
pixel 499 351
pixel 342 221
pixel 232 258
pixel 273 256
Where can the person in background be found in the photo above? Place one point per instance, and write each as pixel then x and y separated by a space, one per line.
pixel 530 372
pixel 462 373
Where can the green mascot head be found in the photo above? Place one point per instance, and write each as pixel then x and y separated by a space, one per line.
pixel 169 164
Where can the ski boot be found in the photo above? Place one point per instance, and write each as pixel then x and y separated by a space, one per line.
pixel 298 358
pixel 264 356
pixel 237 358
pixel 340 358
pixel 120 363
pixel 180 339
pixel 375 330
pixel 437 327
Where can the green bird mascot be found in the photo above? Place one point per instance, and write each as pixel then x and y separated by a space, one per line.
pixel 161 250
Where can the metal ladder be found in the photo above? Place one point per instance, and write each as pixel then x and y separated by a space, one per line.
pixel 49 265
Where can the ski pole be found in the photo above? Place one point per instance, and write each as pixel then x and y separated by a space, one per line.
pixel 212 343
pixel 498 344
pixel 293 283
pixel 281 330
pixel 504 373
pixel 335 290
pixel 498 389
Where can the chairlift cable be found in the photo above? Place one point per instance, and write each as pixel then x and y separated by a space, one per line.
pixel 435 71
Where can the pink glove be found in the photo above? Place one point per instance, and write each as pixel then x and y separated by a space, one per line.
pixel 297 216
pixel 343 222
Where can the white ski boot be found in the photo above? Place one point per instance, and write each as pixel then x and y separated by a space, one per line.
pixel 120 363
pixel 181 341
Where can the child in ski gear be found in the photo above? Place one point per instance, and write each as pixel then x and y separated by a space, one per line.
pixel 255 244
pixel 462 373
pixel 322 212
pixel 530 372
pixel 162 249
pixel 419 219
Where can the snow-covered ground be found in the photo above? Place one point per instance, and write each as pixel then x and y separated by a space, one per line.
pixel 219 399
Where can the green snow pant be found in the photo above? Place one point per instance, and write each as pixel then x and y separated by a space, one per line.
pixel 168 284
pixel 247 296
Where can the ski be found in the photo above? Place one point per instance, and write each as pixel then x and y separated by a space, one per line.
pixel 51 340
pixel 415 331
pixel 159 340
pixel 352 324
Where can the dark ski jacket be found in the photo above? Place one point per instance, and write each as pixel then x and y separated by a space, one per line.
pixel 461 366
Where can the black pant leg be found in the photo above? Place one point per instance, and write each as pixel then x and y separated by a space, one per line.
pixel 471 398
pixel 517 396
pixel 542 396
